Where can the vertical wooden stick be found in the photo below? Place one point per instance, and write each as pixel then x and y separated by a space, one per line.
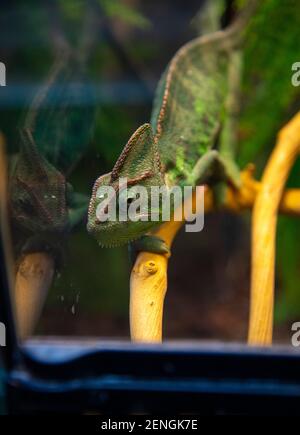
pixel 264 222
pixel 33 280
pixel 4 220
pixel 148 286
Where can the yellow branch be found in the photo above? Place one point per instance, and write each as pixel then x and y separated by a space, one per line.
pixel 245 198
pixel 33 280
pixel 148 285
pixel 264 222
pixel 4 221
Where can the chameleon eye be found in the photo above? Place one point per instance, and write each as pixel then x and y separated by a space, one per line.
pixel 102 193
pixel 130 200
pixel 125 200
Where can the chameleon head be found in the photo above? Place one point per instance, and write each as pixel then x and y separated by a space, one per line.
pixel 37 194
pixel 120 209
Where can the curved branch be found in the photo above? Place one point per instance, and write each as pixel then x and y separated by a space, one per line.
pixel 264 223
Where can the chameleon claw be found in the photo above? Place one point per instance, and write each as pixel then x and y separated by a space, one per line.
pixel 148 243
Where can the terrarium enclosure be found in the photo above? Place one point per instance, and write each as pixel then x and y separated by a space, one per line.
pixel 78 79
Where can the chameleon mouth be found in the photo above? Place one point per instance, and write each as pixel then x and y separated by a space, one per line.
pixel 116 244
pixel 110 240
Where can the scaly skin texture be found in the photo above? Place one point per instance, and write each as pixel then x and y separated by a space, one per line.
pixel 191 135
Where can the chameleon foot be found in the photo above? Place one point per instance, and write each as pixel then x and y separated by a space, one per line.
pixel 148 243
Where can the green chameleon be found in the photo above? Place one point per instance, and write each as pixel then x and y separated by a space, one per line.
pixel 191 136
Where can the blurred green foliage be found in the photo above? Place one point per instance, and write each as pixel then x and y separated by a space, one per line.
pixel 269 101
pixel 130 15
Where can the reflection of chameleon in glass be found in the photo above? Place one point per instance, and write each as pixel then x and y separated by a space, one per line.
pixel 43 206
pixel 191 137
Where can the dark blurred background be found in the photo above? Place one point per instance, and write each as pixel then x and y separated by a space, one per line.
pixel 208 292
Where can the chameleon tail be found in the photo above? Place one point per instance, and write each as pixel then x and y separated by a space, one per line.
pixel 235 32
pixel 208 19
pixel 231 38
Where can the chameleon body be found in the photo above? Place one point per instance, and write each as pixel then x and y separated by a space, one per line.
pixel 189 139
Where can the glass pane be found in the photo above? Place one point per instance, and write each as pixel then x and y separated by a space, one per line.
pixel 77 80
